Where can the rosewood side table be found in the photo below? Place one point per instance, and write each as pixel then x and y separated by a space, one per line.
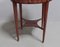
pixel 31 23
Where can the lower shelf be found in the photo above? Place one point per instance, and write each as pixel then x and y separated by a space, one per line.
pixel 31 23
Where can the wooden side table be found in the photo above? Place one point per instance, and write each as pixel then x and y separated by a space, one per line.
pixel 31 23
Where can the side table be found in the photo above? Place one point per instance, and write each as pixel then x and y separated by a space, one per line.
pixel 31 23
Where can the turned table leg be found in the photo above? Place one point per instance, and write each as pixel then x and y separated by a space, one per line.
pixel 44 18
pixel 16 19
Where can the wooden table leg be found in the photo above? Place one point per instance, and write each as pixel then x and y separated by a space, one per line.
pixel 20 7
pixel 44 18
pixel 16 19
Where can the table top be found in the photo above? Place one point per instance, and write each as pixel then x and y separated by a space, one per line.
pixel 31 1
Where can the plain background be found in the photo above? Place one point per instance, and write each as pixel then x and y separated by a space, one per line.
pixel 31 12
pixel 6 10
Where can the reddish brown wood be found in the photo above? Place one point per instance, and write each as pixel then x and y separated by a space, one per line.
pixel 42 16
pixel 31 23
pixel 45 12
pixel 16 19
pixel 30 1
pixel 20 6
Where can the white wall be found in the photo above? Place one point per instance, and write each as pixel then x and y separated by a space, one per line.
pixel 6 10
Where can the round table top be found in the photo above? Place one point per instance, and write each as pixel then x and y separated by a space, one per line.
pixel 31 1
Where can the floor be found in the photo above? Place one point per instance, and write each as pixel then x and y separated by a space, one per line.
pixel 30 37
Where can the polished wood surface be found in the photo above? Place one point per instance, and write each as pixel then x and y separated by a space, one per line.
pixel 31 23
pixel 16 19
pixel 31 1
pixel 44 18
